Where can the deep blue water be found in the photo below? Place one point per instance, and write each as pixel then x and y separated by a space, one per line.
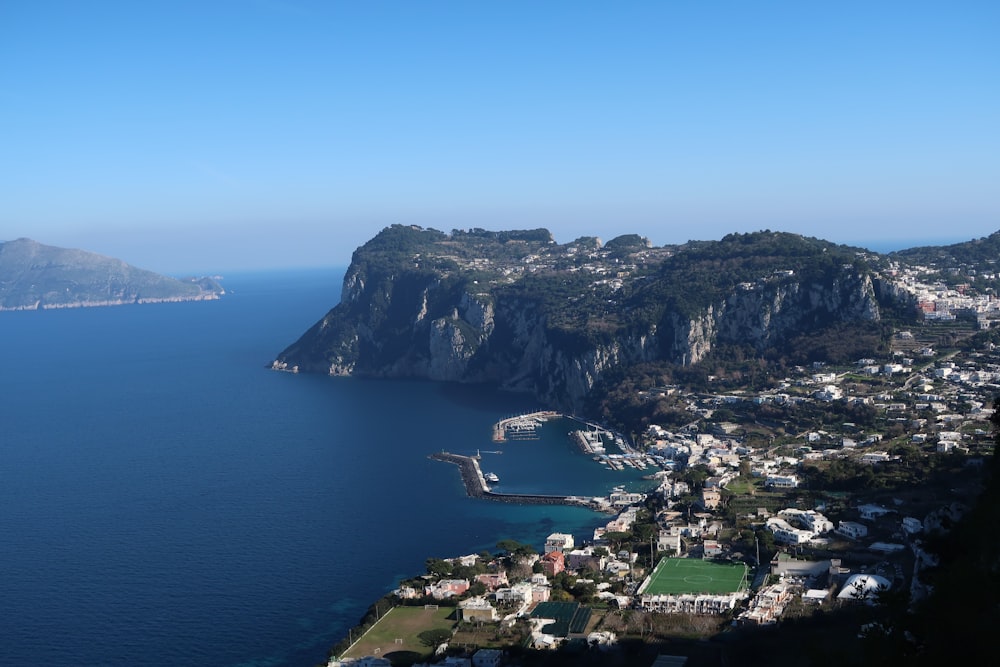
pixel 165 499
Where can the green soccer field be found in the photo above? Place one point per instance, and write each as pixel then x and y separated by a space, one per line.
pixel 674 576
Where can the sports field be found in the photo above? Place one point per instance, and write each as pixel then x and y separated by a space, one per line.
pixel 397 634
pixel 675 576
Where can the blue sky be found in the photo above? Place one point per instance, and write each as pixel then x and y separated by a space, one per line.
pixel 218 135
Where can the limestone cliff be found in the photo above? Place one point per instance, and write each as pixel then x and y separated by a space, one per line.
pixel 521 311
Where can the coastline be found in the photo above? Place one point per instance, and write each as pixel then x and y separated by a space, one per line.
pixel 38 305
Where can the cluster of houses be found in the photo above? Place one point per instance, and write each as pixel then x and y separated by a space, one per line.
pixel 938 302
pixel 560 554
pixel 941 407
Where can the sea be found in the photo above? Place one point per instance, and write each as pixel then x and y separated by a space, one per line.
pixel 167 499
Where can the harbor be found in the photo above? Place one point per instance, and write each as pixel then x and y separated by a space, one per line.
pixel 522 427
pixel 594 439
pixel 477 487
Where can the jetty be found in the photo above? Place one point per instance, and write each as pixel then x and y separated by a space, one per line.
pixel 521 427
pixel 476 486
pixel 589 442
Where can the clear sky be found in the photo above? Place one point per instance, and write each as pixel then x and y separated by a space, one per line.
pixel 216 135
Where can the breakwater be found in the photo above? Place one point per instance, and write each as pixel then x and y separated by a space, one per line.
pixel 476 487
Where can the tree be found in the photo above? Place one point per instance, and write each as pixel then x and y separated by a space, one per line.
pixel 695 476
pixel 515 548
pixel 435 637
pixel 616 538
pixel 438 566
pixel 584 592
pixel 559 595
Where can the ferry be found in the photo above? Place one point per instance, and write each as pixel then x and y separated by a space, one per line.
pixel 491 477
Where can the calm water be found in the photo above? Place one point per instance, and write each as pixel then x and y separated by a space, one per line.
pixel 165 499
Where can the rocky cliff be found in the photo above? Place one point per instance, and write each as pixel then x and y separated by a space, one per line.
pixel 34 276
pixel 521 311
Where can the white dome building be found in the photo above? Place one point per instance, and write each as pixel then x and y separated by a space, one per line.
pixel 863 587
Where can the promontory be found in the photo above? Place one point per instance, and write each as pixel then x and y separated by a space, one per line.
pixel 519 310
pixel 34 276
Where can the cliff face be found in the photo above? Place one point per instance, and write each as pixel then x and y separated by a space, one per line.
pixel 527 314
pixel 761 315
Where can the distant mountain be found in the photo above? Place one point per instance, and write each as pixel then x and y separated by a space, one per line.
pixel 982 254
pixel 34 276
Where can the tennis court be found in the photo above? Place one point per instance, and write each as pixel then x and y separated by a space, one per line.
pixel 675 576
pixel 570 617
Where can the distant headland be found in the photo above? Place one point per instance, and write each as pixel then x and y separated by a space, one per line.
pixel 34 276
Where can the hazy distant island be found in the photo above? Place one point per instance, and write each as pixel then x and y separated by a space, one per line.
pixel 34 276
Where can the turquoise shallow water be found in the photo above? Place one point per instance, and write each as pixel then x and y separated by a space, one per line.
pixel 165 499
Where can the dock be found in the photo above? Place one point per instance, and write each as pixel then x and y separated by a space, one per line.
pixel 476 486
pixel 521 427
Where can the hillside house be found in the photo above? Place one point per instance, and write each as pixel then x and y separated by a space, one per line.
pixel 553 563
pixel 710 498
pixel 493 580
pixel 669 541
pixel 782 481
pixel 786 533
pixel 584 559
pixel 476 609
pixel 447 588
pixel 852 529
pixel 559 542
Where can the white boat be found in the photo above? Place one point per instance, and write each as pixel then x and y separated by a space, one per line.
pixel 491 477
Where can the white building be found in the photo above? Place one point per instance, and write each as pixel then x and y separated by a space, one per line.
pixel 669 541
pixel 852 529
pixel 872 512
pixel 476 609
pixel 521 592
pixel 623 499
pixel 559 542
pixel 863 587
pixel 809 519
pixel 786 533
pixel 782 481
pixel 690 603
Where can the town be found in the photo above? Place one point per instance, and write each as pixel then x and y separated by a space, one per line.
pixel 817 492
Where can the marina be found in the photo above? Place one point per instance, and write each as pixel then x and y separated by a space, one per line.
pixel 521 427
pixel 594 440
